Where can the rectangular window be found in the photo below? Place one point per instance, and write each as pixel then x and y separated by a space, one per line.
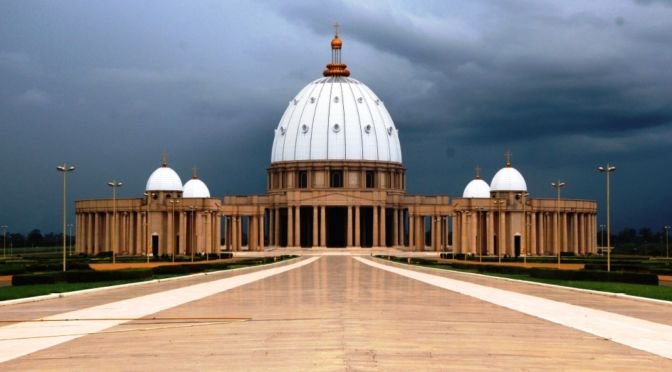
pixel 336 178
pixel 370 179
pixel 302 180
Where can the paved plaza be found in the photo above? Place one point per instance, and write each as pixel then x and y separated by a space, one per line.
pixel 336 312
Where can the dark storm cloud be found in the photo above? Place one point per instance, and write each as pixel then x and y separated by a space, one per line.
pixel 565 85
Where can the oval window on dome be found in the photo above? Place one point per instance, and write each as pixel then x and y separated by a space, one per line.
pixel 367 128
pixel 390 130
pixel 305 128
pixel 312 99
pixel 360 99
pixel 282 131
pixel 336 99
pixel 337 128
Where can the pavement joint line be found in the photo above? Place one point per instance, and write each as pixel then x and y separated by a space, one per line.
pixel 637 333
pixel 51 296
pixel 583 290
pixel 39 336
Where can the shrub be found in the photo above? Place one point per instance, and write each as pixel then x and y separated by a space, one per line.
pixel 103 276
pixel 29 279
pixel 598 276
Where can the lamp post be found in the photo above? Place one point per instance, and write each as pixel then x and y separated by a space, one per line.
pixel 114 184
pixel 523 196
pixel 69 239
pixel 172 218
pixel 499 203
pixel 193 231
pixel 65 168
pixel 4 240
pixel 607 170
pixel 467 215
pixel 667 245
pixel 558 185
pixel 149 195
pixel 602 227
pixel 479 238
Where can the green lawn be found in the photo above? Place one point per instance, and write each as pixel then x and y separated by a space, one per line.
pixel 11 292
pixel 641 290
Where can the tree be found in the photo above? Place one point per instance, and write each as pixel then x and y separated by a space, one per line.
pixel 35 237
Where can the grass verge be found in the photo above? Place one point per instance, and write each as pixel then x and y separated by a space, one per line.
pixel 640 290
pixel 23 291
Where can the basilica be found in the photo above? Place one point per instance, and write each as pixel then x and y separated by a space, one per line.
pixel 336 180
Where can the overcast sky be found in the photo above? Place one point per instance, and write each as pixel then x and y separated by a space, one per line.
pixel 108 85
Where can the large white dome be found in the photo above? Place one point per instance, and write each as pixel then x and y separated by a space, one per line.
pixel 477 188
pixel 164 179
pixel 195 188
pixel 508 179
pixel 336 118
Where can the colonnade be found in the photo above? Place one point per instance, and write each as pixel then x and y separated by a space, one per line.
pixel 132 233
pixel 536 233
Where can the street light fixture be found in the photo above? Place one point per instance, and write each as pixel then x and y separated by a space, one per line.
pixel 667 245
pixel 114 184
pixel 607 170
pixel 558 185
pixel 65 168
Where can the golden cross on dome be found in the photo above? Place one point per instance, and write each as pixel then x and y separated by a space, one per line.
pixel 508 155
pixel 194 172
pixel 164 157
pixel 336 26
pixel 478 172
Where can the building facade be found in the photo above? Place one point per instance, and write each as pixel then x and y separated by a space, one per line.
pixel 336 180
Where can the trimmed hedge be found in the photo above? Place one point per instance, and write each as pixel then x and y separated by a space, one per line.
pixel 543 273
pixel 597 276
pixel 104 276
pixel 29 279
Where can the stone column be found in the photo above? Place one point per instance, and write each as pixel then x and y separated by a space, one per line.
pixel 411 230
pixel 421 233
pixel 297 226
pixel 358 238
pixel 323 226
pixel 383 232
pixel 276 227
pixel 565 233
pixel 576 238
pixel 456 232
pixel 375 226
pixel 262 230
pixel 349 226
pixel 316 232
pixel 290 226
pixel 534 246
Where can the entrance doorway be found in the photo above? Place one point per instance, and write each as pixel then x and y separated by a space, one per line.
pixel 516 245
pixel 337 224
pixel 155 245
pixel 282 239
pixel 366 227
pixel 306 228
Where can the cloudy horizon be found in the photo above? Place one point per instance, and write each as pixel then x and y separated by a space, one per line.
pixel 566 86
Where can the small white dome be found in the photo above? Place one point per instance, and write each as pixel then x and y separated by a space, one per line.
pixel 477 188
pixel 195 188
pixel 508 179
pixel 164 179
